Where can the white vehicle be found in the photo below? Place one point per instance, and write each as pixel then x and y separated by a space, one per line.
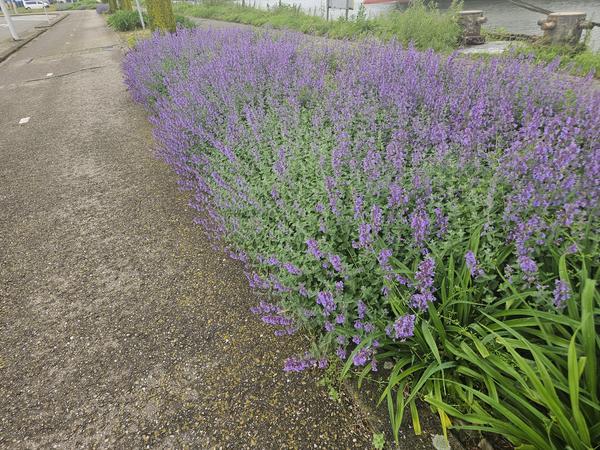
pixel 34 4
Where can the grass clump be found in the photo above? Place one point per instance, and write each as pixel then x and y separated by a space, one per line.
pixel 130 21
pixel 578 60
pixel 422 23
pixel 125 20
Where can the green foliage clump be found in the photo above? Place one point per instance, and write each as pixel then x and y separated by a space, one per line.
pixel 125 20
pixel 184 22
pixel 579 60
pixel 422 23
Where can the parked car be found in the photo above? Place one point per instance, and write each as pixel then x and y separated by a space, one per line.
pixel 35 4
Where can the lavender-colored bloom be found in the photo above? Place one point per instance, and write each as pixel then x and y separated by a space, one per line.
pixel 419 223
pixel 342 340
pixel 472 265
pixel 356 339
pixel 265 308
pixel 364 235
pixel 562 293
pixel 277 320
pixel 362 309
pixel 383 258
pixel 313 248
pixel 441 222
pixel 296 364
pixel 368 327
pixel 341 353
pixel 358 325
pixel 425 274
pixel 376 218
pixel 527 265
pixel 397 196
pixel 329 327
pixel 336 262
pixel 404 326
pixel 471 261
pixel 421 300
pixel 325 299
pixel 361 357
pixel 292 269
pixel 272 261
pixel 340 319
pixel 572 249
pixel 358 205
pixel 339 286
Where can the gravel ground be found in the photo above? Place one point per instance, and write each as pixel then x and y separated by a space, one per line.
pixel 119 326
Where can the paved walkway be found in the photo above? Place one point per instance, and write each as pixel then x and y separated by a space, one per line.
pixel 119 326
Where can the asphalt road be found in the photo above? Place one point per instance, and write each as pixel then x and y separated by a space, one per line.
pixel 120 327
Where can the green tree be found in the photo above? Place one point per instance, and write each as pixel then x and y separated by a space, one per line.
pixel 161 15
pixel 112 6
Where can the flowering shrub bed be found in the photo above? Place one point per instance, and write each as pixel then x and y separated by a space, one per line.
pixel 404 207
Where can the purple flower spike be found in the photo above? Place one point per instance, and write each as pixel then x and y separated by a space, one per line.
pixel 562 293
pixel 362 309
pixel 472 265
pixel 325 299
pixel 404 326
pixel 361 357
pixel 313 248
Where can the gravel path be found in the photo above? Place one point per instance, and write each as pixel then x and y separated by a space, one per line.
pixel 119 326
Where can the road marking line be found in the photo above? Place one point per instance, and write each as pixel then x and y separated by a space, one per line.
pixel 24 120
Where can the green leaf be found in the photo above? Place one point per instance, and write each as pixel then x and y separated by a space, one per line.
pixel 588 337
pixel 415 418
pixel 574 375
pixel 430 341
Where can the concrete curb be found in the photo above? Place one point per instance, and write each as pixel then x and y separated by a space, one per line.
pixel 40 29
pixel 51 24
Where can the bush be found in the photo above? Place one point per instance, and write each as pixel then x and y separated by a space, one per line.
pixel 422 23
pixel 404 208
pixel 184 22
pixel 102 8
pixel 125 20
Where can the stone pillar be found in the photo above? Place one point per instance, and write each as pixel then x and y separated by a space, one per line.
pixel 470 22
pixel 564 27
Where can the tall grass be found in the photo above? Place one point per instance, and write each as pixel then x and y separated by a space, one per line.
pixel 422 23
